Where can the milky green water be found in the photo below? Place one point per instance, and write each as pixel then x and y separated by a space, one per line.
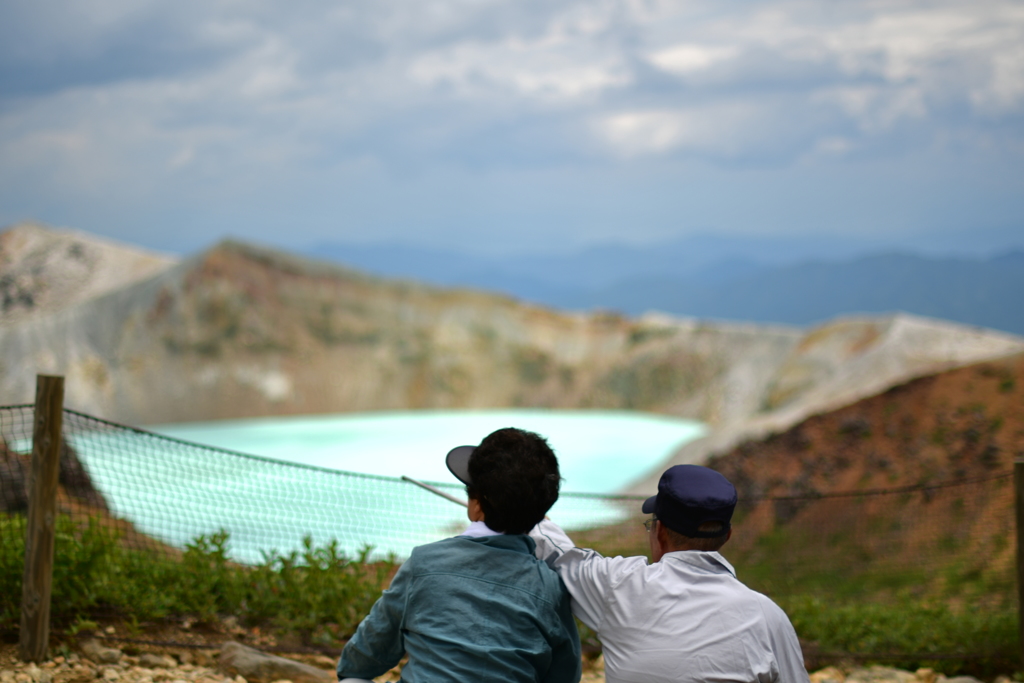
pixel 598 451
pixel 174 491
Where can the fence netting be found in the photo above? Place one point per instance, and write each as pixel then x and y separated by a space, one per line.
pixel 161 493
pixel 942 538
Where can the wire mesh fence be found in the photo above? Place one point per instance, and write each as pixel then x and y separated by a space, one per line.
pixel 162 493
pixel 945 538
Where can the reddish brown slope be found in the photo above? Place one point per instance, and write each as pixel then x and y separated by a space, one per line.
pixel 964 425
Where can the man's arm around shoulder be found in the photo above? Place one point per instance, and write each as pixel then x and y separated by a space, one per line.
pixel 587 574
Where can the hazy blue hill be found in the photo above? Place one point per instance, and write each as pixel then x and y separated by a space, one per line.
pixel 575 274
pixel 769 280
pixel 985 293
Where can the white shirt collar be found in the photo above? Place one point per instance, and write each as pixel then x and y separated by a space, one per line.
pixel 706 560
pixel 479 530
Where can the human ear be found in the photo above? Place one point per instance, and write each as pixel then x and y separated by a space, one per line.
pixel 659 541
pixel 474 511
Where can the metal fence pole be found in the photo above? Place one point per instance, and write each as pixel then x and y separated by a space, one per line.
pixel 1018 485
pixel 34 638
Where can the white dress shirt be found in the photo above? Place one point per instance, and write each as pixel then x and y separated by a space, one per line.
pixel 685 618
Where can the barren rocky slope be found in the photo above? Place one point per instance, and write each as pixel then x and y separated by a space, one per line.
pixel 839 363
pixel 242 331
pixel 965 423
pixel 44 269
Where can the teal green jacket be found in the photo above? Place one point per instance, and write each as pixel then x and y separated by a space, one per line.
pixel 470 609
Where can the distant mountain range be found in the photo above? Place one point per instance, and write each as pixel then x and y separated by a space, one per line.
pixel 768 280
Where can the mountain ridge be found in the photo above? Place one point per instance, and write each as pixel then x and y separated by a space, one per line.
pixel 246 331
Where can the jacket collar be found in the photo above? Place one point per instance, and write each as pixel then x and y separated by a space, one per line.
pixel 520 543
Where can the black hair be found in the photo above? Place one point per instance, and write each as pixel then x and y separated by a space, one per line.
pixel 515 478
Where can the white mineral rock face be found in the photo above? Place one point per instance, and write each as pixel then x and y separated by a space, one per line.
pixel 43 270
pixel 836 364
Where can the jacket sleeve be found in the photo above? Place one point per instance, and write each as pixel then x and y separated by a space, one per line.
pixel 566 663
pixel 379 642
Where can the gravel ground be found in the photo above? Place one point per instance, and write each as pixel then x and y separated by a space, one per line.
pixel 200 666
pixel 159 667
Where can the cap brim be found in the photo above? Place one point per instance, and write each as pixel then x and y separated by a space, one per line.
pixel 458 462
pixel 648 506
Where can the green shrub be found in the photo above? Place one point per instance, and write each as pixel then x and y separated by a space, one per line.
pixel 988 636
pixel 80 567
pixel 320 593
pixel 12 566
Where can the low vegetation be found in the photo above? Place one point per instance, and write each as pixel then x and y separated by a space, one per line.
pixel 319 596
pixel 909 634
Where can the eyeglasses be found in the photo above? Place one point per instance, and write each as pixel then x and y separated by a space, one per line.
pixel 649 523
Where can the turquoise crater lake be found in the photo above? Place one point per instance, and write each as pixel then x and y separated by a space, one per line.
pixel 175 491
pixel 598 451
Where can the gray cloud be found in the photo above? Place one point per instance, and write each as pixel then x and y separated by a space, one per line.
pixel 460 115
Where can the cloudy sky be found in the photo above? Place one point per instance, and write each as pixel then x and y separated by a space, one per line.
pixel 514 125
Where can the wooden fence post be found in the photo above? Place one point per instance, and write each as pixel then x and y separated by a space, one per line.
pixel 42 519
pixel 1018 485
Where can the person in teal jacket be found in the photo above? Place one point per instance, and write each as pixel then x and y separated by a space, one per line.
pixel 479 606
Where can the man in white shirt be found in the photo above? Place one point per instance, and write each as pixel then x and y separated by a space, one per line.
pixel 684 616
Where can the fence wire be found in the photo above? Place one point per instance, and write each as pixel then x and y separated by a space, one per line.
pixel 946 539
pixel 950 540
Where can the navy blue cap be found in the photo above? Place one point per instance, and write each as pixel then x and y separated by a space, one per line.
pixel 688 496
pixel 458 462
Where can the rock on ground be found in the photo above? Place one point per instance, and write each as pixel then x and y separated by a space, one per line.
pixel 260 667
